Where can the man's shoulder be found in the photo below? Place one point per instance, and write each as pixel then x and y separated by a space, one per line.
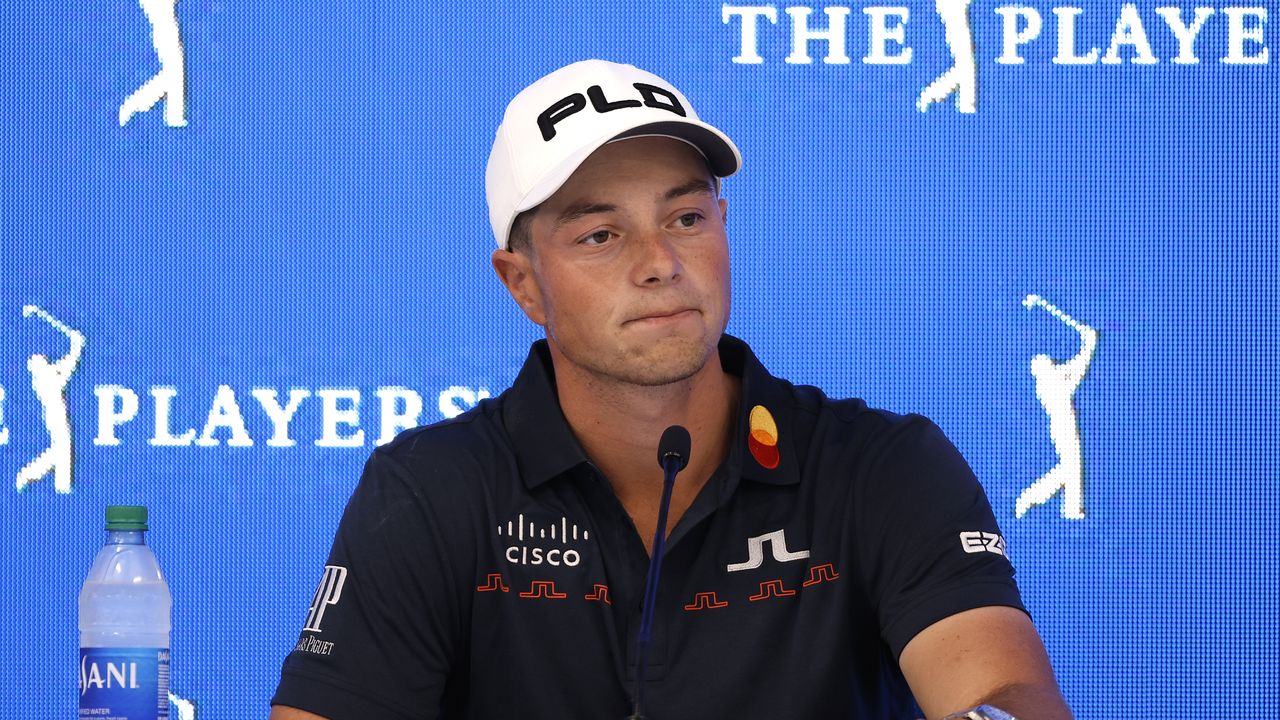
pixel 808 412
pixel 887 460
pixel 848 438
pixel 470 446
pixel 479 424
pixel 851 416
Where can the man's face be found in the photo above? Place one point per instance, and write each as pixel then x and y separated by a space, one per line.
pixel 629 272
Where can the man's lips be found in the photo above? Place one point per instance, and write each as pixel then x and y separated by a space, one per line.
pixel 664 316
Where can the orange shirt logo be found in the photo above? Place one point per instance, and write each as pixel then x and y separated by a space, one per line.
pixel 762 438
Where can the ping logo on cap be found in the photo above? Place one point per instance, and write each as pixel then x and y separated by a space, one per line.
pixel 762 437
pixel 650 96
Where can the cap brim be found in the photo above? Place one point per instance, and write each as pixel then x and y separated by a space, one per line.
pixel 722 155
pixel 723 158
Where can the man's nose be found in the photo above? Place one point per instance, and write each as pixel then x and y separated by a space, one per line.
pixel 657 258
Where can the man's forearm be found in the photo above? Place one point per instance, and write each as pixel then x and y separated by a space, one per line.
pixel 1030 702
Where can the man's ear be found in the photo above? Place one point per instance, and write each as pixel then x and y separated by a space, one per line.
pixel 515 270
pixel 724 211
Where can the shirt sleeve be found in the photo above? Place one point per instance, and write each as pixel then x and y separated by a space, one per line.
pixel 929 545
pixel 382 631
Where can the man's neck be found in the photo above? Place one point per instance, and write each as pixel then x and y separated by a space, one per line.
pixel 619 425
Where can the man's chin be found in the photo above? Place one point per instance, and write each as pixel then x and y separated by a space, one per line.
pixel 667 360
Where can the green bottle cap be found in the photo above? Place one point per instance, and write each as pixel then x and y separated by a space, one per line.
pixel 126 517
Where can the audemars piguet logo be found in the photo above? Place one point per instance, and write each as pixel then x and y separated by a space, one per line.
pixel 328 593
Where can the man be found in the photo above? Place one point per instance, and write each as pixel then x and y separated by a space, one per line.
pixel 822 556
pixel 169 83
pixel 1055 384
pixel 49 381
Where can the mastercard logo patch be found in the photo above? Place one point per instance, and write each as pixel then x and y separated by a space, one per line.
pixel 762 437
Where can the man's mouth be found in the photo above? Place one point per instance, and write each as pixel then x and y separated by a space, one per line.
pixel 664 316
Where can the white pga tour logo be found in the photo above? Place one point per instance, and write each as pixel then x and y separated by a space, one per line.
pixel 227 415
pixel 169 83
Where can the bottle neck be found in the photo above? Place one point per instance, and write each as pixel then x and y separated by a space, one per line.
pixel 126 537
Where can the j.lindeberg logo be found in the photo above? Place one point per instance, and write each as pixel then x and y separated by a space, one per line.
pixel 1020 25
pixel 777 542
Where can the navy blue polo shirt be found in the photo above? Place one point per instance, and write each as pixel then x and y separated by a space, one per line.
pixel 484 568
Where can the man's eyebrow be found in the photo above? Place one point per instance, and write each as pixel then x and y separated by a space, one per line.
pixel 573 212
pixel 580 210
pixel 693 187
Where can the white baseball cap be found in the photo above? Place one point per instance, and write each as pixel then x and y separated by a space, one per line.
pixel 553 125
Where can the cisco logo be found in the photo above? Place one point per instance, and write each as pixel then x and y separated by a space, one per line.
pixel 528 542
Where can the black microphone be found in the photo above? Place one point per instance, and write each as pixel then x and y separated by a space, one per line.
pixel 674 446
pixel 673 456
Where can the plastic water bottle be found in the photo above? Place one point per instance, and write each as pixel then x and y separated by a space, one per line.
pixel 124 625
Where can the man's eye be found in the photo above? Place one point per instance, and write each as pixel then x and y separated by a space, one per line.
pixel 688 220
pixel 598 237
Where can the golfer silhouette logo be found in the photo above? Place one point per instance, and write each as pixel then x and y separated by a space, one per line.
pixel 49 380
pixel 1055 384
pixel 962 77
pixel 169 83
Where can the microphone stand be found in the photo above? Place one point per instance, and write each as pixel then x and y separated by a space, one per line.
pixel 673 460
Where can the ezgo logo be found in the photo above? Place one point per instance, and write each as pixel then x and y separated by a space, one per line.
pixel 885 28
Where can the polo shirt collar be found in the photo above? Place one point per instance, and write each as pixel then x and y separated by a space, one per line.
pixel 761 446
pixel 545 446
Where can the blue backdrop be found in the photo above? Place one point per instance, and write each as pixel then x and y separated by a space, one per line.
pixel 318 227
